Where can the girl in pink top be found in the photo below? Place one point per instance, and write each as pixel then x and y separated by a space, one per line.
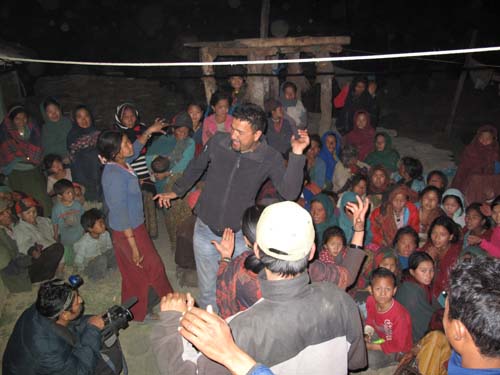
pixel 220 120
pixel 493 245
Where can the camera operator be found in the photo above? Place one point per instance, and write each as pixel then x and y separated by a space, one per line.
pixel 54 337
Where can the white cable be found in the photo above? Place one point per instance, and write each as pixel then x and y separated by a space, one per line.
pixel 263 62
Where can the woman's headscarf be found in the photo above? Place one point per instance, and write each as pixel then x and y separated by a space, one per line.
pixel 326 155
pixel 383 189
pixel 388 157
pixel 81 138
pixel 361 138
pixel 136 130
pixel 346 223
pixel 477 158
pixel 54 134
pixel 330 220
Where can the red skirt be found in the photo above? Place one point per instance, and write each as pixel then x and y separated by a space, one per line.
pixel 136 281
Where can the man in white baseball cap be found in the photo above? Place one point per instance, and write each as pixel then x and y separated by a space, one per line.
pixel 296 327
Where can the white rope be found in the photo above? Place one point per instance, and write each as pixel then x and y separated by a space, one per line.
pixel 263 62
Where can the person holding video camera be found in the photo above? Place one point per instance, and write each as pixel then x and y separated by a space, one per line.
pixel 54 337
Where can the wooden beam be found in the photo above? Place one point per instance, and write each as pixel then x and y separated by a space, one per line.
pixel 303 41
pixel 264 18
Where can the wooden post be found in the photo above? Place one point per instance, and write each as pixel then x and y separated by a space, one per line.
pixel 264 18
pixel 326 93
pixel 254 81
pixel 460 86
pixel 208 73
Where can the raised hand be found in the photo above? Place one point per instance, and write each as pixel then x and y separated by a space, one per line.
pixel 226 246
pixel 176 302
pixel 299 144
pixel 165 198
pixel 358 211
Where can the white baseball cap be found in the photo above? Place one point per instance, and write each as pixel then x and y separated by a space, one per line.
pixel 287 228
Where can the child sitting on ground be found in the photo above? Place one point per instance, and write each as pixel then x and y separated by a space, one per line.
pixel 161 171
pixel 66 216
pixel 34 236
pixel 55 169
pixel 94 251
pixel 390 321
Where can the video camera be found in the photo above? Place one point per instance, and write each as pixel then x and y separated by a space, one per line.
pixel 115 319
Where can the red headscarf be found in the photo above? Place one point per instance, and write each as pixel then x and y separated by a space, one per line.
pixel 362 138
pixel 477 158
pixel 25 204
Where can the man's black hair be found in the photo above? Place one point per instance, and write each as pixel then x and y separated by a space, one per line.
pixel 288 84
pixel 382 272
pixel 249 228
pixel 283 267
pixel 474 300
pixel 90 217
pixel 253 114
pixel 52 297
pixel 62 185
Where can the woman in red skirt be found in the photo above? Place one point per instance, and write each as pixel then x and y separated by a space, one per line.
pixel 139 263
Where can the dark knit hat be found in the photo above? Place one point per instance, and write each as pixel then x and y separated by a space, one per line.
pixel 272 104
pixel 183 120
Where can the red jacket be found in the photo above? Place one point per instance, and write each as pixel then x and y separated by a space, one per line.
pixel 384 226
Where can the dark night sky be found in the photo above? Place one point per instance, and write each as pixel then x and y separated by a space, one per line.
pixel 133 31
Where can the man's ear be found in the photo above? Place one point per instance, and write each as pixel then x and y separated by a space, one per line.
pixel 257 135
pixel 312 252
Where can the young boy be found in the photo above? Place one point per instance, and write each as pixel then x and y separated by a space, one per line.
pixel 161 171
pixel 390 320
pixel 66 216
pixel 471 319
pixel 94 251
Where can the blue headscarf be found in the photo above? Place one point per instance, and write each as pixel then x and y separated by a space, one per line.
pixel 327 157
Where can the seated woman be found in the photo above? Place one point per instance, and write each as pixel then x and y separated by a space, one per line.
pixel 492 246
pixel 383 154
pixel 220 120
pixel 428 209
pixel 315 166
pixel 410 174
pixel 405 243
pixel 358 184
pixel 379 185
pixel 34 237
pixel 293 105
pixel 331 146
pixel 453 204
pixel 361 136
pixel 415 293
pixel 395 213
pixel 55 129
pixel 178 147
pixel 477 226
pixel 195 111
pixel 345 169
pixel 345 218
pixel 444 246
pixel 323 215
pixel 85 165
pixel 478 158
pixel 238 285
pixel 21 155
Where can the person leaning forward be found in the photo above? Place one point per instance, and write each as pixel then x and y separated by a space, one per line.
pixel 236 165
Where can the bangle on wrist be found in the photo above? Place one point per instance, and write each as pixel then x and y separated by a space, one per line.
pixel 360 247
pixel 360 230
pixel 226 259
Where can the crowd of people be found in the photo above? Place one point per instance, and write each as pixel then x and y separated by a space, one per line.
pixel 321 250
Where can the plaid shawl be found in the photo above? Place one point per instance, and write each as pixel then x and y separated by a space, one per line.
pixel 12 145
